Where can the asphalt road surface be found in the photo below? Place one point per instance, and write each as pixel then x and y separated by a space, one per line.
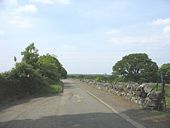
pixel 75 108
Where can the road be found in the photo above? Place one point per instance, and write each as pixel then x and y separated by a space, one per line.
pixel 75 108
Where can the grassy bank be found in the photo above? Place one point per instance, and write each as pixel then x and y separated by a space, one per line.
pixel 52 89
pixel 164 114
pixel 167 93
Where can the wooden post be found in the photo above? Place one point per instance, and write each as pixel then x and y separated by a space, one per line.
pixel 163 84
pixel 162 101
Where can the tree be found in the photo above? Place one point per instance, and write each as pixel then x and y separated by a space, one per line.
pixel 30 55
pixel 51 68
pixel 165 71
pixel 137 67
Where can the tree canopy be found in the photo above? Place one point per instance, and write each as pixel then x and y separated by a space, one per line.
pixel 50 67
pixel 136 67
pixel 165 70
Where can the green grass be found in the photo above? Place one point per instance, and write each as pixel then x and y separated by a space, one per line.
pixel 52 89
pixel 167 94
pixel 55 88
pixel 163 114
pixel 167 97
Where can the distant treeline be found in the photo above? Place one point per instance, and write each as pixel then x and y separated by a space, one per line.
pixel 97 77
pixel 34 74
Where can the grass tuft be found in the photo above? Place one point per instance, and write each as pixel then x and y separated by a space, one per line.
pixel 52 89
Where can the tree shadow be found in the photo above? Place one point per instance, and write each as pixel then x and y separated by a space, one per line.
pixel 12 101
pixel 89 120
pixel 6 103
pixel 16 101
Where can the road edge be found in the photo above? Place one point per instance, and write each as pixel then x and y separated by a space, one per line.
pixel 124 116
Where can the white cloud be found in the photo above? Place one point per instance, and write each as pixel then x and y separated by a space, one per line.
pixel 61 49
pixel 27 8
pixel 152 40
pixel 165 23
pixel 167 29
pixel 113 32
pixel 161 22
pixel 17 15
pixel 20 22
pixel 62 2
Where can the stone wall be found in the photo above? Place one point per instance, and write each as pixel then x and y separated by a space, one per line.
pixel 141 94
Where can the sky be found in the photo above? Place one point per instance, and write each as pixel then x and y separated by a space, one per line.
pixel 87 36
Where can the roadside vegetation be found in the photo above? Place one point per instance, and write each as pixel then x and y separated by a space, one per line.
pixel 137 68
pixel 35 74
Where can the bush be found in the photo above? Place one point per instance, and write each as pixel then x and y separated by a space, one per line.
pixel 28 78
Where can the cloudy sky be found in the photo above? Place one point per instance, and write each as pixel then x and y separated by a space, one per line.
pixel 88 36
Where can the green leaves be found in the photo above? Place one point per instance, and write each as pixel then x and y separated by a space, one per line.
pixel 137 68
pixel 49 67
pixel 30 55
pixel 165 70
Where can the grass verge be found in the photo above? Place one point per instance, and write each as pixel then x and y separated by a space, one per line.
pixel 165 114
pixel 52 89
pixel 167 91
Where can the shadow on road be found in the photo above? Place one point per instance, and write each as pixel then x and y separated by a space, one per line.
pixel 90 120
pixel 12 101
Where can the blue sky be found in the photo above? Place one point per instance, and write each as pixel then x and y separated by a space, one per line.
pixel 88 36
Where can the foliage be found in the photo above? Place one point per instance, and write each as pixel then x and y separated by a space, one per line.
pixel 50 67
pixel 8 87
pixel 30 55
pixel 32 75
pixel 63 73
pixel 165 70
pixel 58 87
pixel 28 78
pixel 137 67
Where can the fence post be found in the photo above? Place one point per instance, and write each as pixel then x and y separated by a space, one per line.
pixel 162 102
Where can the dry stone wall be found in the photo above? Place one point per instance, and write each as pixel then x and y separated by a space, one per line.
pixel 141 94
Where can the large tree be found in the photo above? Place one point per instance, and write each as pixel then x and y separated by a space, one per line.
pixel 136 67
pixel 165 71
